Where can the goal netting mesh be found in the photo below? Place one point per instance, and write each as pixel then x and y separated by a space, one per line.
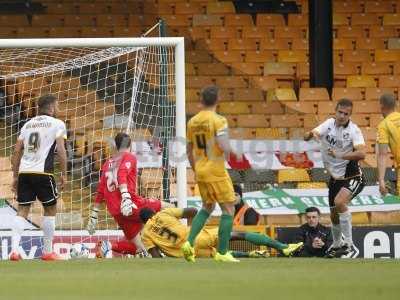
pixel 101 91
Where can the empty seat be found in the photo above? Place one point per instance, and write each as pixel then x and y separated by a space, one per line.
pixel 347 6
pixel 206 20
pixel 174 20
pixel 225 7
pixel 212 44
pixel 292 56
pixel 279 69
pixel 60 8
pixel 281 94
pixel 360 81
pixel 234 108
pixel 248 94
pixel 270 20
pixel 197 56
pixel 290 32
pixel 32 32
pixel 187 8
pixel 391 19
pixel 192 95
pixel 271 133
pixel 310 121
pixel 96 32
pixel 264 82
pixel 309 107
pixel 91 8
pixel 364 19
pixel 341 19
pixel 296 133
pixel 387 55
pixel 238 20
pixel 212 69
pixel 389 81
pixel 349 93
pixel 225 95
pixel 378 6
pixel 326 108
pixel 313 94
pixel 198 81
pixel 111 20
pixel 376 68
pixel 293 175
pixel 242 133
pixel 67 32
pixel 382 32
pixel 247 68
pixel 356 56
pixel 300 44
pixel 376 93
pixel 362 120
pixel 258 56
pixel 312 185
pixel 394 43
pixel 346 68
pixel 387 217
pixel 152 8
pixel 285 121
pixel 295 20
pixel 193 108
pixel 252 121
pixel 274 108
pixel 243 44
pixel 223 32
pixel 79 20
pixel 366 107
pixel 125 31
pixel 231 82
pixel 375 119
pixel 228 56
pixel 370 44
pixel 274 44
pixel 351 32
pixel 38 20
pixel 343 44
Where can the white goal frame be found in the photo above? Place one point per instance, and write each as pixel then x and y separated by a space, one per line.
pixel 177 42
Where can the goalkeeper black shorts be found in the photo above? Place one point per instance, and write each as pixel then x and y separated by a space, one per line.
pixel 40 186
pixel 354 185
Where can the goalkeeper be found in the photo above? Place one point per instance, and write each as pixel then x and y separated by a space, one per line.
pixel 164 233
pixel 117 187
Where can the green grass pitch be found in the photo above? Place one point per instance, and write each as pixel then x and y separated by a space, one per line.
pixel 273 278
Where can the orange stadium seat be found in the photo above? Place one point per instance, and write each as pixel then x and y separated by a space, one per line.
pixel 303 70
pixel 238 20
pixel 212 44
pixel 252 121
pixel 396 68
pixel 212 69
pixel 190 69
pixel 361 81
pixel 195 33
pixel 374 120
pixel 376 68
pixel 228 56
pixel 382 32
pixel 394 43
pixel 292 56
pixel 225 7
pixel 127 31
pixel 387 55
pixel 311 120
pixel 259 56
pixel 193 108
pixel 351 32
pixel 242 133
pixel 365 107
pixel 389 81
pixel 260 32
pixel 248 94
pixel 327 107
pixel 133 7
pixel 207 20
pixel 299 44
pixel 285 121
pixel 192 95
pixel 32 32
pixel 171 20
pixel 111 20
pixel 279 69
pixel 274 44
pixel 225 95
pixel 356 56
pixel 150 8
pixel 232 120
pixel 295 20
pixel 343 44
pixel 264 82
pixel 247 68
pixel 42 20
pixel 378 6
pixel 376 93
pixel 273 108
pixel 60 8
pixel 370 44
pixel 7 32
pixel 91 8
pixel 313 94
pixel 347 6
pixel 293 175
pixel 271 133
pixel 369 133
pixel 270 20
pixel 80 20
pixel 391 19
pixel 350 93
pixel 243 44
pixel 223 32
pixel 96 32
pixel 233 108
pixel 344 69
pixel 198 56
pixel 198 81
pixel 341 19
pixel 64 32
pixel 187 8
pixel 364 19
pixel 293 107
pixel 281 94
pixel 231 82
pixel 362 120
pixel 290 32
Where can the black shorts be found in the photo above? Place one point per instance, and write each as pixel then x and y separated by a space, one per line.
pixel 355 185
pixel 32 186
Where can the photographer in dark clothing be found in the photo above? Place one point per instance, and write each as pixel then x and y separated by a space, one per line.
pixel 315 236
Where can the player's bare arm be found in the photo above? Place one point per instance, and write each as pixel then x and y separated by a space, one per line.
pixel 382 152
pixel 62 156
pixel 15 161
pixel 311 134
pixel 357 154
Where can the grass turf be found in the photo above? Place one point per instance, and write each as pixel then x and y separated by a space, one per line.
pixel 175 279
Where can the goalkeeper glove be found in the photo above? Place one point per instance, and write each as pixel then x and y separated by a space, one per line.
pixel 127 205
pixel 92 222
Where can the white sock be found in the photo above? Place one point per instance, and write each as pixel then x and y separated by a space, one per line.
pixel 346 227
pixel 17 230
pixel 48 226
pixel 336 235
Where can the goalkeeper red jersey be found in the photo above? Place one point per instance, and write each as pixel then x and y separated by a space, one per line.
pixel 120 169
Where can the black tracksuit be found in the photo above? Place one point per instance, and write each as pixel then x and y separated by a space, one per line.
pixel 307 234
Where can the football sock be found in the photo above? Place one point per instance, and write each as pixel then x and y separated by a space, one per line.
pixel 336 235
pixel 197 225
pixel 124 247
pixel 346 227
pixel 261 239
pixel 48 227
pixel 240 254
pixel 224 233
pixel 17 230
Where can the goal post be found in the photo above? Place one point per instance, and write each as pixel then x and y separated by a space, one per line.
pixel 90 59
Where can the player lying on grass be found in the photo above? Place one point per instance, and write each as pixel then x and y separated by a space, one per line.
pixel 163 232
pixel 117 187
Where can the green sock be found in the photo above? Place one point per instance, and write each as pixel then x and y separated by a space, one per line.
pixel 197 225
pixel 265 240
pixel 240 254
pixel 224 233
